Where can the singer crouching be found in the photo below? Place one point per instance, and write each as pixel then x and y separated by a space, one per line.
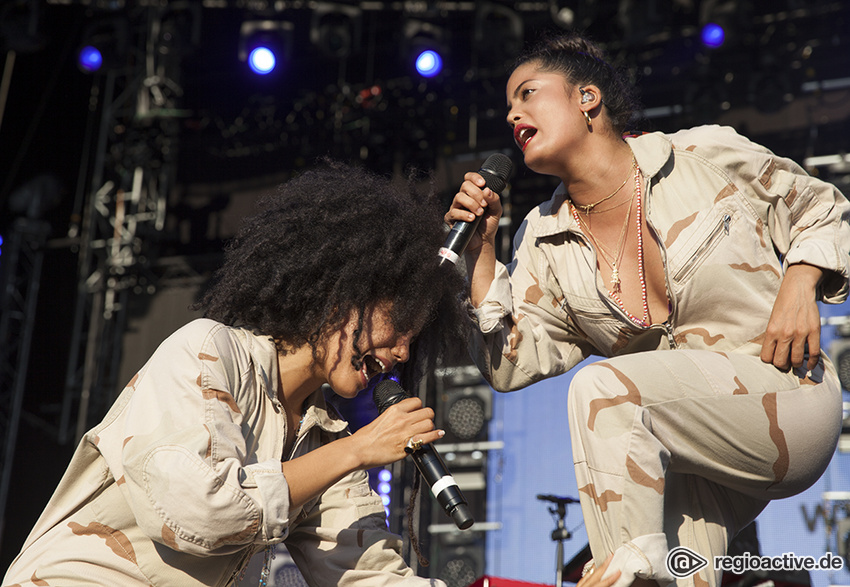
pixel 692 264
pixel 223 445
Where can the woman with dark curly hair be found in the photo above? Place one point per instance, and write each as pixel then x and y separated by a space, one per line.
pixel 223 445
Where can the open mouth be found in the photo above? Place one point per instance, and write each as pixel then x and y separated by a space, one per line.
pixel 372 366
pixel 523 134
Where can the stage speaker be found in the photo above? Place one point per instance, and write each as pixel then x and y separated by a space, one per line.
pixel 461 565
pixel 466 412
pixel 464 404
pixel 464 408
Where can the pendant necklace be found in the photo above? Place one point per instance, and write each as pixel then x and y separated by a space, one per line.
pixel 615 274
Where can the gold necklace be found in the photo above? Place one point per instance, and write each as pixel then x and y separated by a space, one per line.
pixel 612 260
pixel 587 208
pixel 614 207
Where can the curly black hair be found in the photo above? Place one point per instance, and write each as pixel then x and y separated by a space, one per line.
pixel 339 239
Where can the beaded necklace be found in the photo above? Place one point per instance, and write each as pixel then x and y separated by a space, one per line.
pixel 644 323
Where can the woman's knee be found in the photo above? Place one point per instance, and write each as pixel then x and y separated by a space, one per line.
pixel 586 385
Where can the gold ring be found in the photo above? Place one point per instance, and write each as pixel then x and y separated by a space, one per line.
pixel 412 445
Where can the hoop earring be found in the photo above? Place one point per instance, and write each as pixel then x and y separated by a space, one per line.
pixel 587 118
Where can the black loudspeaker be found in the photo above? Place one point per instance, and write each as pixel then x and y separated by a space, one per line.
pixel 465 413
pixel 464 408
pixel 459 565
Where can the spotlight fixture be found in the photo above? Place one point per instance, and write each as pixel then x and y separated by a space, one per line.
pixel 104 44
pixel 90 59
pixel 426 44
pixel 265 44
pixel 429 63
pixel 724 23
pixel 712 35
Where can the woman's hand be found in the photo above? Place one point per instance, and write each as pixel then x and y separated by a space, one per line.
pixel 378 443
pixel 472 201
pixel 383 440
pixel 795 320
pixel 593 578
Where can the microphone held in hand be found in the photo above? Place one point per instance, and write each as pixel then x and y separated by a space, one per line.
pixel 429 462
pixel 495 171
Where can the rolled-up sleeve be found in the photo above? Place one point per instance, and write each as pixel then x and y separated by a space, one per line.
pixel 523 335
pixel 812 221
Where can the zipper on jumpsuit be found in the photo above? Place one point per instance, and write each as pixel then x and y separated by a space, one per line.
pixel 722 229
pixel 667 325
pixel 671 300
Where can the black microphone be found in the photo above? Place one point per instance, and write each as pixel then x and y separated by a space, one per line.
pixel 495 172
pixel 429 462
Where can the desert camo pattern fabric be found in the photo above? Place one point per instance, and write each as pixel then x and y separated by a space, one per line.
pixel 730 217
pixel 181 483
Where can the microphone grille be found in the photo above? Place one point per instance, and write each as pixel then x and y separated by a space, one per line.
pixel 387 393
pixel 498 168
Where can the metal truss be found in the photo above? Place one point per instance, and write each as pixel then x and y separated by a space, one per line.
pixel 20 276
pixel 123 212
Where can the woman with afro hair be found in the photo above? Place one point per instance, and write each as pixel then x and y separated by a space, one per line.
pixel 223 444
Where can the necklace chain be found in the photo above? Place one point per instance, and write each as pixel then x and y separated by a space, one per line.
pixel 612 260
pixel 615 282
pixel 588 208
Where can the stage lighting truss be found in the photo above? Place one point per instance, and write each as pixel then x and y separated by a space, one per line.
pixel 265 45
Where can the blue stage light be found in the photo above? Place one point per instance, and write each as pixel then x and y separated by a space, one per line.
pixel 429 63
pixel 262 60
pixel 713 35
pixel 90 59
pixel 385 475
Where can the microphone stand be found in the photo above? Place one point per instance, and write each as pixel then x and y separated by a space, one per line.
pixel 559 534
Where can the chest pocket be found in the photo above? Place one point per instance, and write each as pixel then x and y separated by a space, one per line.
pixel 710 234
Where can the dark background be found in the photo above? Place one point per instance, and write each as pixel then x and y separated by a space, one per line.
pixel 225 135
